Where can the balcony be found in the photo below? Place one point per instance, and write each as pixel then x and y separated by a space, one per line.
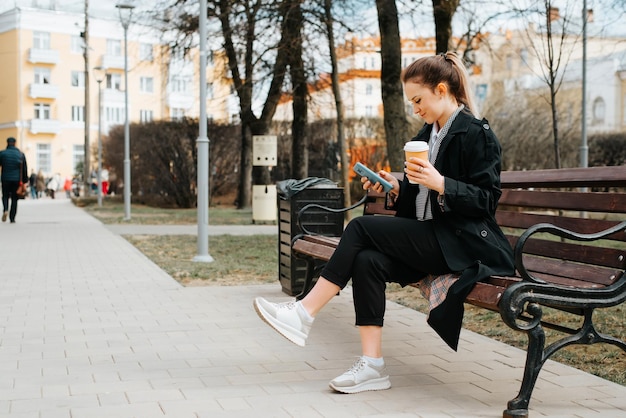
pixel 45 126
pixel 43 56
pixel 112 96
pixel 43 91
pixel 180 100
pixel 115 62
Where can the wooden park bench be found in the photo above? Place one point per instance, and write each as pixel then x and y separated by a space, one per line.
pixel 567 228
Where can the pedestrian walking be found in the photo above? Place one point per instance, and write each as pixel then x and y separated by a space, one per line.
pixel 14 171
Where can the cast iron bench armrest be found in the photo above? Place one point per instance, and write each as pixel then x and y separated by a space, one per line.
pixel 325 208
pixel 561 232
pixel 519 298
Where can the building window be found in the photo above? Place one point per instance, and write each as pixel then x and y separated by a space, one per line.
pixel 114 115
pixel 42 75
pixel 599 110
pixel 78 113
pixel 177 113
pixel 209 91
pixel 368 90
pixel 78 79
pixel 77 45
pixel 145 116
pixel 178 53
pixel 146 84
pixel 524 56
pixel 44 158
pixel 41 40
pixel 369 111
pixel 180 84
pixel 114 47
pixel 114 81
pixel 42 111
pixel 145 52
pixel 78 156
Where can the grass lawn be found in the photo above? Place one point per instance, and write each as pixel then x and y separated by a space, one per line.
pixel 237 263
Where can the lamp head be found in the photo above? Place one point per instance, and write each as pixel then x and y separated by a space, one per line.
pixel 99 73
pixel 125 9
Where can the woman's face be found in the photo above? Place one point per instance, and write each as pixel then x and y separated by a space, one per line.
pixel 428 104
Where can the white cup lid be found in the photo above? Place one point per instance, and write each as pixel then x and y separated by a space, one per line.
pixel 416 146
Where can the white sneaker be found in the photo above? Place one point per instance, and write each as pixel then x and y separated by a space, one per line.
pixel 361 377
pixel 285 318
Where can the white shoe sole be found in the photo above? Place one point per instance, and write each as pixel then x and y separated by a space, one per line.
pixel 292 334
pixel 381 383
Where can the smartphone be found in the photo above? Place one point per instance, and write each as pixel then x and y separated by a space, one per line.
pixel 372 176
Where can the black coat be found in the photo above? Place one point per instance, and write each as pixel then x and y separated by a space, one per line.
pixel 11 160
pixel 470 239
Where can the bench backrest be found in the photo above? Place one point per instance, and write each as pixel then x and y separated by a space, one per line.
pixel 556 197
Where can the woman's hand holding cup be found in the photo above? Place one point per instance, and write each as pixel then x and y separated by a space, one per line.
pixel 419 151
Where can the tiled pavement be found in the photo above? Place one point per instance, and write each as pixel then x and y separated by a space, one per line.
pixel 89 327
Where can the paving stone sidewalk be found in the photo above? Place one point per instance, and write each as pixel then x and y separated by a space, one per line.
pixel 89 327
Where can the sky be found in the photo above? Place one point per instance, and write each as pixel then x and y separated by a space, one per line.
pixel 415 16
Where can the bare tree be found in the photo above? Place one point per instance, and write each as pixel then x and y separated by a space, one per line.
pixel 341 139
pixel 443 11
pixel 262 42
pixel 395 117
pixel 292 32
pixel 552 44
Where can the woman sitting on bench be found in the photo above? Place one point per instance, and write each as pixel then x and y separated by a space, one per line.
pixel 445 223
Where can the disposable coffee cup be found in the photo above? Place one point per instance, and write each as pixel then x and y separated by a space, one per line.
pixel 417 149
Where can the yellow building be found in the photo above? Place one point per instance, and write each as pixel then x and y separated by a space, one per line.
pixel 42 82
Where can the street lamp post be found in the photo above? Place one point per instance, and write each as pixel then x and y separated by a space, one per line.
pixel 203 148
pixel 126 11
pixel 99 74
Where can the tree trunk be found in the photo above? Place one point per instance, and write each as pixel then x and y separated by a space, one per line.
pixel 341 139
pixel 395 119
pixel 294 22
pixel 250 124
pixel 443 10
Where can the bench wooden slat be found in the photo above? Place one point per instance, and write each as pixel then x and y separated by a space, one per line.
pixel 523 220
pixel 377 208
pixel 586 254
pixel 566 177
pixel 562 272
pixel 593 202
pixel 320 252
pixel 485 295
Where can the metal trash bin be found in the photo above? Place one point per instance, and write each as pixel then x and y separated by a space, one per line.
pixel 291 270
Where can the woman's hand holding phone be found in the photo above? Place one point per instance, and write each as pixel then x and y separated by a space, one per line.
pixel 380 182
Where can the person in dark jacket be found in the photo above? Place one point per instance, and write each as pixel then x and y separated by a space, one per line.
pixel 32 185
pixel 444 225
pixel 14 170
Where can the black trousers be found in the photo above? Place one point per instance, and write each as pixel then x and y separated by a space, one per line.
pixel 375 250
pixel 9 189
